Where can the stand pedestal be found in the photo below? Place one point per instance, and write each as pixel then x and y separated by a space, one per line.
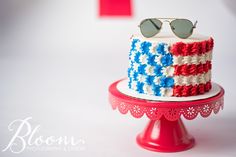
pixel 166 132
pixel 165 136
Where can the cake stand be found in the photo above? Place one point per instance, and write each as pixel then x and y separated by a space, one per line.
pixel 165 131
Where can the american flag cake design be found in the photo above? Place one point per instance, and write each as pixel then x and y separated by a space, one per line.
pixel 178 69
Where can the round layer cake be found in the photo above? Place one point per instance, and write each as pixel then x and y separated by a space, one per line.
pixel 170 67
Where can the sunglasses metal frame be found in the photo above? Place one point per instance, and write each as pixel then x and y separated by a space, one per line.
pixel 169 20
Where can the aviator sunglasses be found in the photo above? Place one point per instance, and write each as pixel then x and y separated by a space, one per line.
pixel 182 28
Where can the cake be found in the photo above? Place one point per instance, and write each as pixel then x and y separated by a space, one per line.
pixel 168 66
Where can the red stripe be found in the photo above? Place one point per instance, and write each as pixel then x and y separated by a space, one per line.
pixel 195 48
pixel 191 90
pixel 192 69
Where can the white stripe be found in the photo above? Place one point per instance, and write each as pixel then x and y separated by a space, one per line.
pixel 195 59
pixel 193 79
pixel 168 92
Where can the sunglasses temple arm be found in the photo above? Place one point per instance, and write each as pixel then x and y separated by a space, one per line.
pixel 195 24
pixel 154 24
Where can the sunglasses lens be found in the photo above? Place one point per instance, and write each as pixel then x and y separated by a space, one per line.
pixel 150 27
pixel 182 28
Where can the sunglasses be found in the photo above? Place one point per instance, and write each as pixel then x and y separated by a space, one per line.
pixel 182 28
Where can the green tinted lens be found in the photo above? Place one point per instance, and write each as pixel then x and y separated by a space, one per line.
pixel 150 27
pixel 182 28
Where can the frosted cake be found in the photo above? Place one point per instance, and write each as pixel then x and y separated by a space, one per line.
pixel 170 67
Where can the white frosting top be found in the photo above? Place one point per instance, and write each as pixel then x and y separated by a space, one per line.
pixel 171 38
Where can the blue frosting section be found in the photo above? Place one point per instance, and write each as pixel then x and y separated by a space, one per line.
pixel 136 58
pixel 166 82
pixel 169 82
pixel 151 59
pixel 149 80
pixel 141 69
pixel 144 78
pixel 133 44
pixel 129 83
pixel 135 76
pixel 145 47
pixel 140 87
pixel 129 71
pixel 161 48
pixel 167 60
pixel 158 70
pixel 157 90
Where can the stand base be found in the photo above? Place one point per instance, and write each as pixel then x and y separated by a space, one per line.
pixel 165 136
pixel 165 132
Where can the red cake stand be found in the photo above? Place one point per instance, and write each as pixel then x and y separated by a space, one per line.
pixel 165 131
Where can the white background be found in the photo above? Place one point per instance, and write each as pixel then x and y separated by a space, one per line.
pixel 57 59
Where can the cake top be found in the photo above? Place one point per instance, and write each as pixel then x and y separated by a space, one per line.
pixel 170 38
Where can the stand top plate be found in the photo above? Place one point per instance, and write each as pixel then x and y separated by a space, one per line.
pixel 122 87
pixel 172 109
